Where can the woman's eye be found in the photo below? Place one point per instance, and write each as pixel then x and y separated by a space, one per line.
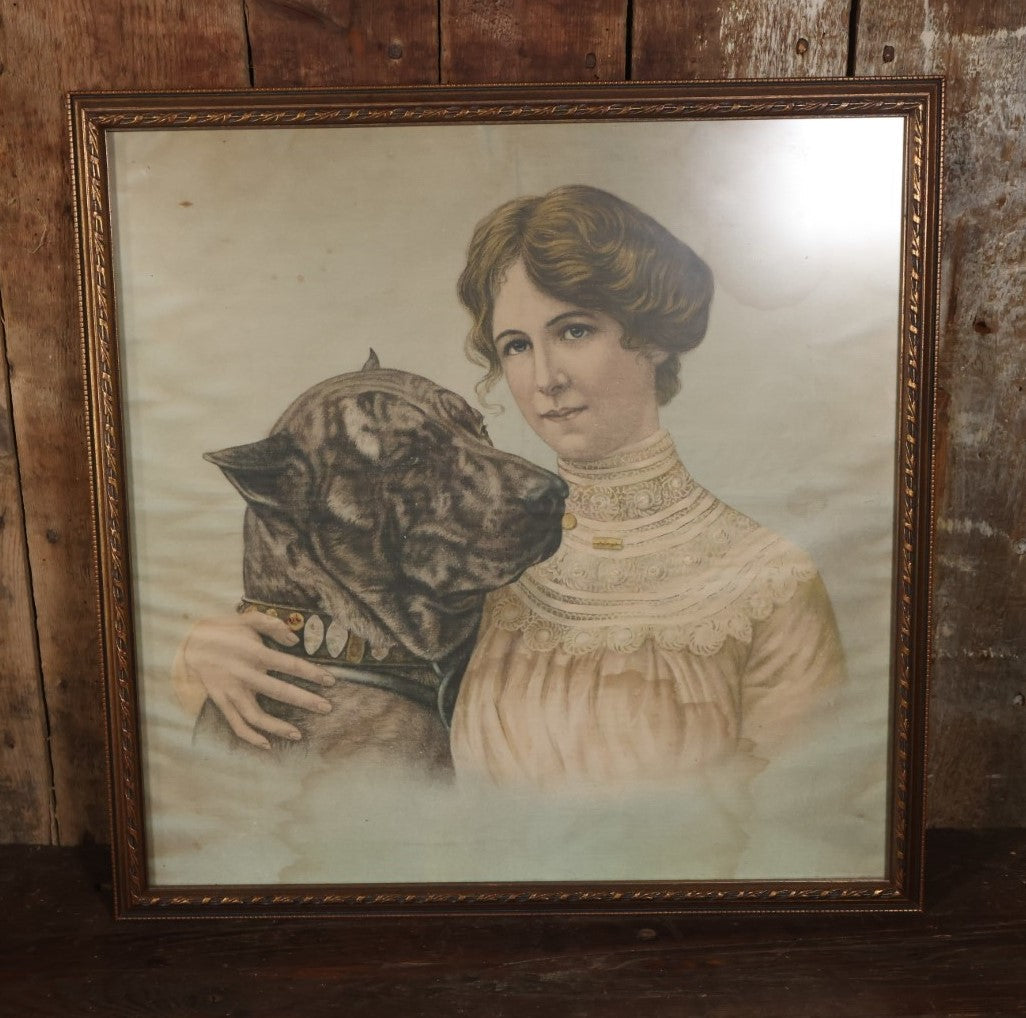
pixel 576 331
pixel 515 346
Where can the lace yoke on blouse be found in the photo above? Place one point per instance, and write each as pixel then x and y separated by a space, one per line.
pixel 649 554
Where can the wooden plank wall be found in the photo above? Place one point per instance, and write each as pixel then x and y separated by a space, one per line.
pixel 52 771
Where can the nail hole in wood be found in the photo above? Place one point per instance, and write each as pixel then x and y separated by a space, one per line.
pixel 395 51
pixel 802 47
pixel 888 54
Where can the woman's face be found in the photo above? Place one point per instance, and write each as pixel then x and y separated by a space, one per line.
pixel 583 394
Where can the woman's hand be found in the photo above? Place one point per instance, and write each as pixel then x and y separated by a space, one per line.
pixel 228 658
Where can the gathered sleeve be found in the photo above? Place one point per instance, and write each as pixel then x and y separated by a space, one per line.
pixel 795 662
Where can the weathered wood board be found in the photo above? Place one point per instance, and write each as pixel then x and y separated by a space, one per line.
pixel 743 39
pixel 342 42
pixel 26 813
pixel 487 41
pixel 978 719
pixel 63 955
pixel 46 50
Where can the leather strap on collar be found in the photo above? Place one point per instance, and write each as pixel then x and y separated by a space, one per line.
pixel 326 640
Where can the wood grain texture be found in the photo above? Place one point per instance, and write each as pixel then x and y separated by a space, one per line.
pixel 47 49
pixel 343 42
pixel 63 955
pixel 486 41
pixel 25 801
pixel 978 722
pixel 741 39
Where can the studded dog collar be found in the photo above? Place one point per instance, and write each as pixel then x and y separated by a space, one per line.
pixel 326 640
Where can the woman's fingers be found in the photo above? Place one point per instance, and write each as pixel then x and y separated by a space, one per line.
pixel 276 661
pixel 238 725
pixel 285 692
pixel 268 625
pixel 229 657
pixel 255 717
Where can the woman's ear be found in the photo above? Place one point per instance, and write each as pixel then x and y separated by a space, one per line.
pixel 655 355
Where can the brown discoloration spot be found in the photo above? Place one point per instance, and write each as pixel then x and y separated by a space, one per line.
pixel 888 54
pixel 801 47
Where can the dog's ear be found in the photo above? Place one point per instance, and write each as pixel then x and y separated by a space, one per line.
pixel 372 363
pixel 269 474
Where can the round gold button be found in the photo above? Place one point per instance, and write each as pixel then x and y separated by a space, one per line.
pixel 569 521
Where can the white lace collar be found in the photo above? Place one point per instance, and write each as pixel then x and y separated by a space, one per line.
pixel 649 554
pixel 633 483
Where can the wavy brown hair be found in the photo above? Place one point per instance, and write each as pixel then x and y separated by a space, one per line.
pixel 589 248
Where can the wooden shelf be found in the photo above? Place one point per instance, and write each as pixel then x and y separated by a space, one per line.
pixel 62 954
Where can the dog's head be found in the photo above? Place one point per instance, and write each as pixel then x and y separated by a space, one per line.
pixel 390 484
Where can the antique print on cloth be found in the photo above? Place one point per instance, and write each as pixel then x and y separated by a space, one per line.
pixel 512 502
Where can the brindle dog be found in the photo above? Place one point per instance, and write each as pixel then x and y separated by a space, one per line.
pixel 378 516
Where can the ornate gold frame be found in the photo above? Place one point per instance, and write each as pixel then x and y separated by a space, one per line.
pixel 918 101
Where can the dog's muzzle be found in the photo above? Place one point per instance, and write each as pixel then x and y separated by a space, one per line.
pixel 547 498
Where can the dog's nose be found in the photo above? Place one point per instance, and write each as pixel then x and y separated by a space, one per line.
pixel 545 496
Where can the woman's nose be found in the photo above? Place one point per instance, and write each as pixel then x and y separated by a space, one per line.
pixel 549 374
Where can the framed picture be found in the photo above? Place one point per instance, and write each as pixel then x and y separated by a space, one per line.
pixel 513 499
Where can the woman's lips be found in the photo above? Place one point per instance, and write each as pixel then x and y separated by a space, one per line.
pixel 563 413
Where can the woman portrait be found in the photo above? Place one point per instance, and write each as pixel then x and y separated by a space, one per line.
pixel 699 658
pixel 669 631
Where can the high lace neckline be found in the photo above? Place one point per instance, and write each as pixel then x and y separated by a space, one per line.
pixel 656 450
pixel 648 553
pixel 633 484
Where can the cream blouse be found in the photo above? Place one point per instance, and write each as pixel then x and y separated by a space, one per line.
pixel 667 632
